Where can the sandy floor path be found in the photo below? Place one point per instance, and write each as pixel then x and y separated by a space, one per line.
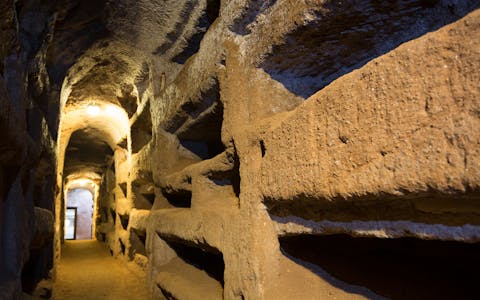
pixel 87 271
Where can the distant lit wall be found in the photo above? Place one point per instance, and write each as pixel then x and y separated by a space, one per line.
pixel 82 199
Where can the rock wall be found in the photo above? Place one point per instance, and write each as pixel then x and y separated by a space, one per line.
pixel 243 189
pixel 247 149
pixel 27 153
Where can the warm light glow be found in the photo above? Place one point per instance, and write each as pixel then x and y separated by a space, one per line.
pixel 82 182
pixel 93 110
pixel 105 117
pixel 105 109
pixel 113 109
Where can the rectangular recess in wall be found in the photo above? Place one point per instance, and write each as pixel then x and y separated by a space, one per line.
pixel 137 242
pixel 141 130
pixel 202 256
pixel 398 268
pixel 178 198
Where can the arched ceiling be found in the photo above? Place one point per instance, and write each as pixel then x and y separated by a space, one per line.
pixel 89 134
pixel 87 151
pixel 103 53
pixel 102 48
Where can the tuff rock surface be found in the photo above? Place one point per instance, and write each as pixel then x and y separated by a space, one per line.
pixel 246 149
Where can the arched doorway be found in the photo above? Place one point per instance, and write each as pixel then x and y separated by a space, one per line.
pixel 79 214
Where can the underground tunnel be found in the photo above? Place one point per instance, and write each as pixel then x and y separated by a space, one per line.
pixel 243 149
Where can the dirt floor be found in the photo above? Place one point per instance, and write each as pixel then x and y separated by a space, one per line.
pixel 88 271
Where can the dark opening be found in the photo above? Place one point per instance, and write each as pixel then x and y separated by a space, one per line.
pixel 150 197
pixel 193 44
pixel 204 150
pixel 123 186
pixel 112 167
pixel 122 246
pixel 102 236
pixel 225 177
pixel 179 198
pixel 202 134
pixel 198 148
pixel 86 148
pixel 113 214
pixel 236 174
pixel 137 240
pixel 198 125
pixel 128 101
pixel 124 220
pixel 142 236
pixel 8 176
pixel 213 10
pixel 141 130
pixel 143 190
pixel 142 200
pixel 343 139
pixel 167 294
pixel 404 268
pixel 202 256
pixel 222 182
pixel 262 148
pixel 122 144
pixel 37 268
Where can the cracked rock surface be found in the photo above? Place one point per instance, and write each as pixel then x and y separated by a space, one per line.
pixel 241 149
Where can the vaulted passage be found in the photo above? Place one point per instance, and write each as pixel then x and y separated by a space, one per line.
pixel 243 149
pixel 78 214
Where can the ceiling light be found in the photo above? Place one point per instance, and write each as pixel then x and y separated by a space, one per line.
pixel 93 110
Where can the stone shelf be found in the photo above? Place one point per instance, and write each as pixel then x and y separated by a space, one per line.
pixel 183 281
pixel 122 171
pixel 217 166
pixel 139 219
pixel 199 226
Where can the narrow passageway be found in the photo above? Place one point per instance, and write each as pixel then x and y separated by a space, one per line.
pixel 239 149
pixel 87 271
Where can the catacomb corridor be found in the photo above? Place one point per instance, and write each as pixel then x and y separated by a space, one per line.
pixel 239 149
